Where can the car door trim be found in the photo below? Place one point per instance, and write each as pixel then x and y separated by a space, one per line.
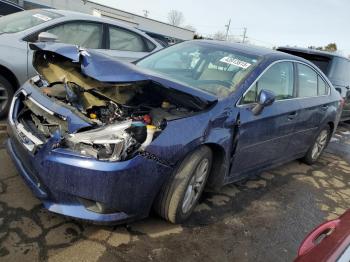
pixel 277 101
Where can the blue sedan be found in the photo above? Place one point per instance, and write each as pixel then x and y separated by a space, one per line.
pixel 107 141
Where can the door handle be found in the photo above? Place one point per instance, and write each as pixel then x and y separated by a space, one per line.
pixel 291 116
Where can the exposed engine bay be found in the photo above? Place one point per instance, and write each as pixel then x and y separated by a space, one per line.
pixel 124 118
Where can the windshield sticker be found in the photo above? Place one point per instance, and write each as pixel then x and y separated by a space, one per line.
pixel 235 62
pixel 42 17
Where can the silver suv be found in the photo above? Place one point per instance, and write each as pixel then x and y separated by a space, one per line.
pixel 19 29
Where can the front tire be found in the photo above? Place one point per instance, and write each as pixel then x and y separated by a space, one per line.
pixel 320 143
pixel 182 191
pixel 6 94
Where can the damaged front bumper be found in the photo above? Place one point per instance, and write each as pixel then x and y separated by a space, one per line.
pixel 81 187
pixel 71 185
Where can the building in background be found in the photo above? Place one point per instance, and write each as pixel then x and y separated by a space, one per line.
pixel 172 33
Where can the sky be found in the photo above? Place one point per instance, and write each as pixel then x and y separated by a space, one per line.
pixel 269 23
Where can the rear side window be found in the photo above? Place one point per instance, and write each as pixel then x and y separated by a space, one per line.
pixel 323 88
pixel 307 78
pixel 125 40
pixel 84 34
pixel 279 79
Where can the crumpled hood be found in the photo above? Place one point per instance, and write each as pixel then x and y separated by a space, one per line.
pixel 108 70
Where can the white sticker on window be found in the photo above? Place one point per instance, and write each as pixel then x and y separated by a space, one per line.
pixel 42 17
pixel 235 62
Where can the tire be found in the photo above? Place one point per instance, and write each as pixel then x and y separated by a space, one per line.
pixel 174 202
pixel 321 142
pixel 6 94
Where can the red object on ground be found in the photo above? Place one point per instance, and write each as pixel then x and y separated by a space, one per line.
pixel 336 240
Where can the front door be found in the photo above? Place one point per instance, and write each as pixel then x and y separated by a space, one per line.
pixel 264 138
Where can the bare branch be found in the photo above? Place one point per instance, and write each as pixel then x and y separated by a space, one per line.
pixel 175 17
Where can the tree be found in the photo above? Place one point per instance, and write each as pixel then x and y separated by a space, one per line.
pixel 219 36
pixel 175 17
pixel 332 47
pixel 197 36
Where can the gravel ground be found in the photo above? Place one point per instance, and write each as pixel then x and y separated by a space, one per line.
pixel 261 219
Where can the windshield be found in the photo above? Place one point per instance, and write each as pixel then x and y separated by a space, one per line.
pixel 23 20
pixel 340 70
pixel 212 68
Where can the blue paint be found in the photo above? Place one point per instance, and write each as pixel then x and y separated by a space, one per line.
pixel 248 143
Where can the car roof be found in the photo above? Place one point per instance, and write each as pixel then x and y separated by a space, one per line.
pixel 83 16
pixel 311 51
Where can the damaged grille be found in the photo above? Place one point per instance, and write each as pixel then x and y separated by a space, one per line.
pixel 34 124
pixel 39 122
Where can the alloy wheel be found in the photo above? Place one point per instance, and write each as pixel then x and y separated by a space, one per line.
pixel 320 144
pixel 3 97
pixel 196 185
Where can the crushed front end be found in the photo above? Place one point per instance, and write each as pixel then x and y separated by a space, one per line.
pixel 72 183
pixel 79 134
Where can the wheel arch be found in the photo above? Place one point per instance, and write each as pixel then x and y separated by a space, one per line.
pixel 10 76
pixel 219 166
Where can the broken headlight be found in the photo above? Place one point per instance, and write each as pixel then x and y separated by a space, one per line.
pixel 109 143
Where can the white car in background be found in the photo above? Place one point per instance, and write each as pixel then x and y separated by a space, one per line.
pixel 19 29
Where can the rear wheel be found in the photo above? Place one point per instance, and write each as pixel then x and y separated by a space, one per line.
pixel 6 94
pixel 181 193
pixel 318 146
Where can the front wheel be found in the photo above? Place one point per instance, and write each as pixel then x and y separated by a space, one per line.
pixel 181 193
pixel 318 146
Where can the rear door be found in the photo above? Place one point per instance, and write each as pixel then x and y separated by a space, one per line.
pixel 312 93
pixel 264 138
pixel 126 45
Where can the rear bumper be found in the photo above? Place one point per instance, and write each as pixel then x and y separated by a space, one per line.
pixel 61 179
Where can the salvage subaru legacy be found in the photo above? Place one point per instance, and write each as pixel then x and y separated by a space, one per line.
pixel 107 141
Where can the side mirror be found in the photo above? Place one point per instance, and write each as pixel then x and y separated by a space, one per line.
pixel 265 98
pixel 47 37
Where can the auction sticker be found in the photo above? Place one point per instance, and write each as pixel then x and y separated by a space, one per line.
pixel 42 17
pixel 235 62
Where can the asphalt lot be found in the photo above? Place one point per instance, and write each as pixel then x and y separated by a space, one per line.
pixel 261 219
